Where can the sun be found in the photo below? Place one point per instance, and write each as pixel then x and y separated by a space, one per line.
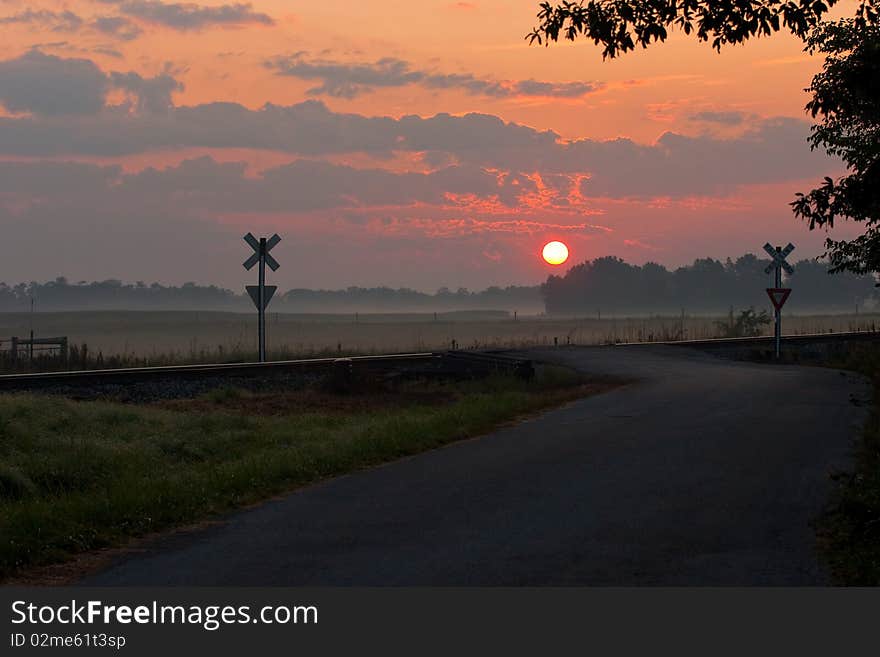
pixel 555 253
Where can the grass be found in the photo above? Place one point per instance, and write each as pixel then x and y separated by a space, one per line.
pixel 849 531
pixel 76 476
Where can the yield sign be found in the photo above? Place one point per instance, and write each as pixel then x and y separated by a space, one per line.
pixel 254 291
pixel 778 296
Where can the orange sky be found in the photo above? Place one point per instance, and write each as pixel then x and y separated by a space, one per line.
pixel 467 239
pixel 648 91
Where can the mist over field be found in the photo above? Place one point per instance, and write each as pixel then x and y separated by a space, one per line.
pixel 607 284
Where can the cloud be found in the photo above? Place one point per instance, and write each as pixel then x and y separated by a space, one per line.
pixel 157 218
pixel 775 150
pixel 348 80
pixel 307 185
pixel 78 224
pixel 51 86
pixel 152 94
pixel 55 180
pixel 451 228
pixel 676 165
pixel 204 185
pixel 555 89
pixel 191 16
pixel 52 89
pixel 307 129
pixel 723 118
pixel 107 51
pixel 637 244
pixel 117 27
pixel 57 21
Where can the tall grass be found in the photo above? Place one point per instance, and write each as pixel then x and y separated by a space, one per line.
pixel 849 532
pixel 132 339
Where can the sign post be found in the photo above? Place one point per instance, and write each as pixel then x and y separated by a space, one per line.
pixel 778 294
pixel 261 293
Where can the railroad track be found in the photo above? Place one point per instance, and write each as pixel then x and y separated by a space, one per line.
pixel 445 363
pixel 804 338
pixel 440 364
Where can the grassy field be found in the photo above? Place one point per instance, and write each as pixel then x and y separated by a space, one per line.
pixel 139 338
pixel 76 476
pixel 849 532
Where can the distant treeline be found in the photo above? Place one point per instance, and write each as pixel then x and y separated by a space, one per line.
pixel 611 286
pixel 605 285
pixel 525 299
pixel 61 295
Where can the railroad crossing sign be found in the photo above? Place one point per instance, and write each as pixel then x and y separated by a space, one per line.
pixel 779 256
pixel 254 292
pixel 261 293
pixel 255 245
pixel 778 294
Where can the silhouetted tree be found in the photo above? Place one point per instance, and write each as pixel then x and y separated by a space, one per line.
pixel 605 284
pixel 846 95
pixel 59 295
pixel 620 25
pixel 707 286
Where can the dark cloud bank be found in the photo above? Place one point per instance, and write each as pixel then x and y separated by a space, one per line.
pixel 64 112
pixel 347 80
pixel 190 16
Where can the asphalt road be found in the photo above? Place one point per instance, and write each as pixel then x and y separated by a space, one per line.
pixel 705 472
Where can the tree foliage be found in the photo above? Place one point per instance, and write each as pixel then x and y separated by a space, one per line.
pixel 845 94
pixel 62 295
pixel 611 286
pixel 620 25
pixel 846 97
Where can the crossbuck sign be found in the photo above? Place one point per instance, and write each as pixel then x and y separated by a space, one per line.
pixel 778 294
pixel 261 293
pixel 779 255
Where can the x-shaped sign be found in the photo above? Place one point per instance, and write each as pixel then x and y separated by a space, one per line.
pixel 255 245
pixel 779 258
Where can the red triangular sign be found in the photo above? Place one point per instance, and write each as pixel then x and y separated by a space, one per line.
pixel 778 296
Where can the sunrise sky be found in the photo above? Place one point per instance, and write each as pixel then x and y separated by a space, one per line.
pixel 418 144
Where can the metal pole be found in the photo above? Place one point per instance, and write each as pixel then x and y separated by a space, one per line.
pixel 31 348
pixel 262 297
pixel 778 311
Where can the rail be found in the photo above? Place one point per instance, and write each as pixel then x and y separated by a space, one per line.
pixel 451 363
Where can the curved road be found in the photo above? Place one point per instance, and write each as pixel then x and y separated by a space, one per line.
pixel 704 472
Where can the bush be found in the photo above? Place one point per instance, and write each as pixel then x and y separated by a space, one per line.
pixel 14 485
pixel 748 324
